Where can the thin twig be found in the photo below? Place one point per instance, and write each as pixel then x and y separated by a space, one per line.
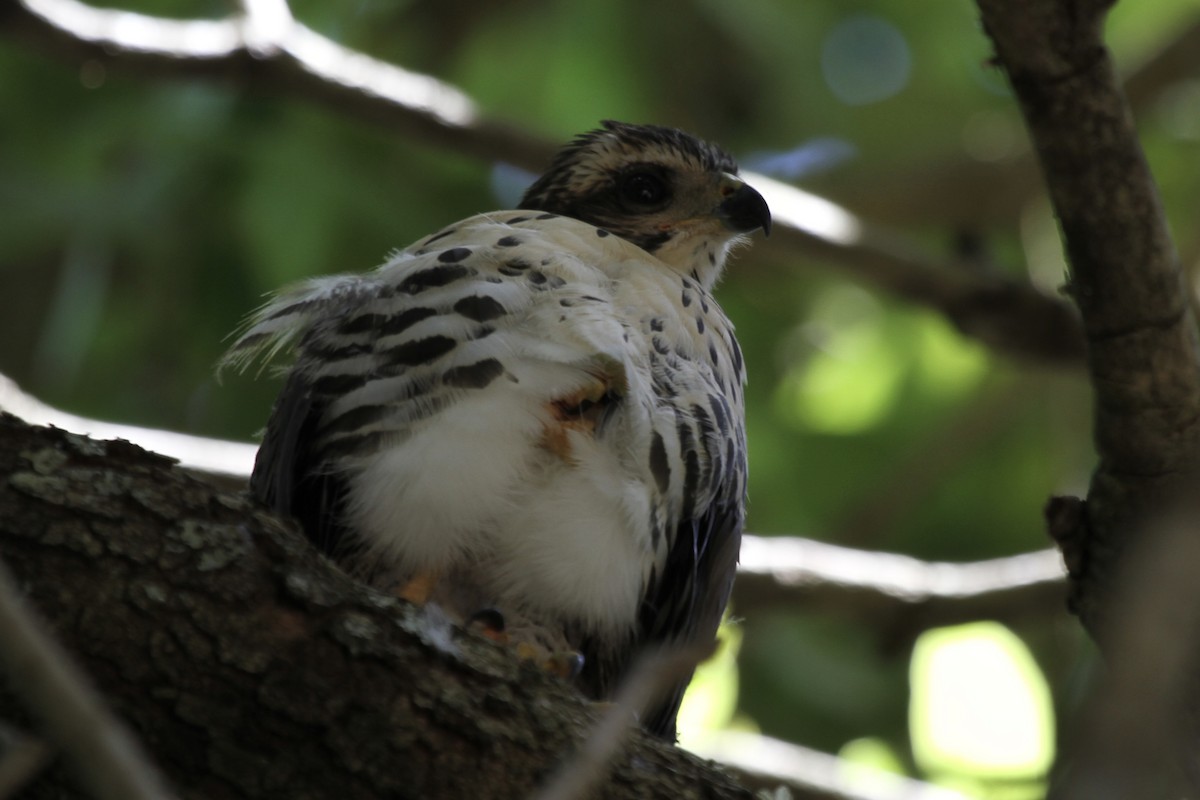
pixel 57 692
pixel 764 763
pixel 652 674
pixel 901 593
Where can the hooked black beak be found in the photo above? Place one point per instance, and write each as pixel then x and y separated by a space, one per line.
pixel 744 209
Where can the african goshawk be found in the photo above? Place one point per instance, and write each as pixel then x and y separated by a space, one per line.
pixel 536 411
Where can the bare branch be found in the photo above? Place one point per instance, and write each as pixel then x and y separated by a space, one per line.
pixel 224 462
pixel 255 668
pixel 60 695
pixel 908 594
pixel 653 673
pixel 269 48
pixel 764 763
pixel 1010 317
pixel 901 594
pixel 1135 735
pixel 1143 352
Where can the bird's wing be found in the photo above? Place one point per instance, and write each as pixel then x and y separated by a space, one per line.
pixel 285 477
pixel 288 475
pixel 695 376
pixel 685 604
pixel 492 299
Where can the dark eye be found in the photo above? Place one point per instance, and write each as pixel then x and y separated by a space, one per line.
pixel 643 189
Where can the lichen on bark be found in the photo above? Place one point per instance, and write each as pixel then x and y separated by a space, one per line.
pixel 250 666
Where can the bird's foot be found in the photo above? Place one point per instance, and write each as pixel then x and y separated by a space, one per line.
pixel 565 664
pixel 419 588
pixel 488 622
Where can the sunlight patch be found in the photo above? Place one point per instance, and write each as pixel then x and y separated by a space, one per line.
pixel 979 706
pixel 711 699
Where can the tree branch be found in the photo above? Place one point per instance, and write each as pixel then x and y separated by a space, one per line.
pixel 220 461
pixel 762 763
pixel 1135 736
pixel 1143 354
pixel 269 49
pixel 653 673
pixel 898 594
pixel 251 666
pixel 265 47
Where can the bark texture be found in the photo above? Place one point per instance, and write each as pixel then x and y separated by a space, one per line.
pixel 249 666
pixel 1143 355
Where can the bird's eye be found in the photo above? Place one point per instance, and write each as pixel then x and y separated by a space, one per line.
pixel 643 189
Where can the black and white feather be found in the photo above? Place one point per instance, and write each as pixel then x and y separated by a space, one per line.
pixel 541 407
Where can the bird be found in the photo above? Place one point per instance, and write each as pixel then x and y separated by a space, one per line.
pixel 536 411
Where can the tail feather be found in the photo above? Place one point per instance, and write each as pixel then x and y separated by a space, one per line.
pixel 276 325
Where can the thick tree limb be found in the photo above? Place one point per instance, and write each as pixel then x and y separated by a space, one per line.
pixel 1143 353
pixel 1134 590
pixel 251 667
pixel 1127 739
pixel 220 461
pixel 267 48
pixel 898 595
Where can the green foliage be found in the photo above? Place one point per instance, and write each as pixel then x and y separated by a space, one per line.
pixel 143 218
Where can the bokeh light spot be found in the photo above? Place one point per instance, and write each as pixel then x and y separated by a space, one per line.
pixel 865 59
pixel 979 705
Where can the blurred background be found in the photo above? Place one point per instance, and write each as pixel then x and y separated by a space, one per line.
pixel 144 215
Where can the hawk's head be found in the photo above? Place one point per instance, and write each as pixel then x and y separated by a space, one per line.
pixel 665 191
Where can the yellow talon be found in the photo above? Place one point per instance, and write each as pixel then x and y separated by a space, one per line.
pixel 527 652
pixel 565 665
pixel 420 588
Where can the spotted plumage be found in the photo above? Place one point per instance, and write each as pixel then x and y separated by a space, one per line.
pixel 538 411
